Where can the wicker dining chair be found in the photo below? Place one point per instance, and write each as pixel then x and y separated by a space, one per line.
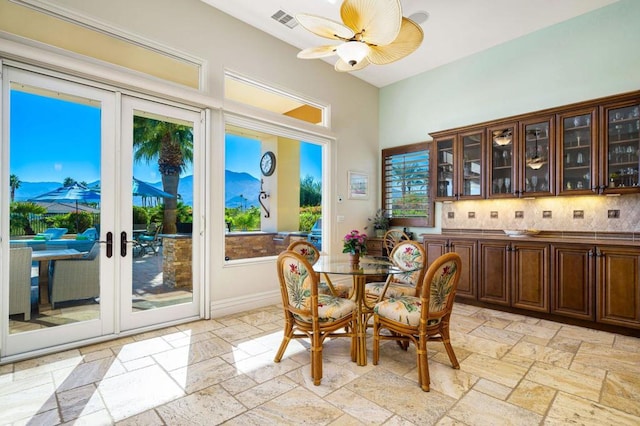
pixel 76 279
pixel 419 319
pixel 391 238
pixel 311 315
pixel 20 282
pixel 310 252
pixel 409 256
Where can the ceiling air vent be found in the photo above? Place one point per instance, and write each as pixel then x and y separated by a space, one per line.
pixel 285 19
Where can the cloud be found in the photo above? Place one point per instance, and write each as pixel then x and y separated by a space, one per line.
pixel 57 167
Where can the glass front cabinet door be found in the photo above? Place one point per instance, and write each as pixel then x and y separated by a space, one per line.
pixel 460 170
pixel 536 157
pixel 577 156
pixel 445 168
pixel 621 152
pixel 501 160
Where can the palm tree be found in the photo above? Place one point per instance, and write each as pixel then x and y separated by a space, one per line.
pixel 68 181
pixel 14 182
pixel 172 145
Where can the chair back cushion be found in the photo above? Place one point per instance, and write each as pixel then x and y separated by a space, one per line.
pixel 306 249
pixel 408 255
pixel 53 233
pixel 442 287
pixel 299 286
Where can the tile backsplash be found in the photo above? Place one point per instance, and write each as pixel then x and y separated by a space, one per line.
pixel 595 213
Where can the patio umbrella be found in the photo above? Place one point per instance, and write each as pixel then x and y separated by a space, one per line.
pixel 143 189
pixel 76 192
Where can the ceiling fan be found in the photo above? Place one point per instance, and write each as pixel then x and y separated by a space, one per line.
pixel 374 32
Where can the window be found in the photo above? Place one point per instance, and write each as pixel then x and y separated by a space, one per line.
pixel 405 185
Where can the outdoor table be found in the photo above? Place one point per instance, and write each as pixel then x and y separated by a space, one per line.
pixel 367 267
pixel 43 257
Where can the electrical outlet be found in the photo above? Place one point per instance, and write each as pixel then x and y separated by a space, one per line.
pixel 340 218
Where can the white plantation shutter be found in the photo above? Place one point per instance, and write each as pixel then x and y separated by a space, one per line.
pixel 406 185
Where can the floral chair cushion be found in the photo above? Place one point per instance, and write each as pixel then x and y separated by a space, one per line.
pixel 394 290
pixel 342 290
pixel 408 257
pixel 406 309
pixel 308 251
pixel 299 282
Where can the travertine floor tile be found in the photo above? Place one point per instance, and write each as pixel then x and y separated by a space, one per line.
pixel 514 370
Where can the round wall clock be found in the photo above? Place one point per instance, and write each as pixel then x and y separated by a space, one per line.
pixel 268 163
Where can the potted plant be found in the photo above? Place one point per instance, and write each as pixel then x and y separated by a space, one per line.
pixel 355 244
pixel 380 222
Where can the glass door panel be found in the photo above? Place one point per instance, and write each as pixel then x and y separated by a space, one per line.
pixel 577 153
pixel 445 169
pixel 537 154
pixel 158 172
pixel 623 137
pixel 58 267
pixel 472 177
pixel 502 177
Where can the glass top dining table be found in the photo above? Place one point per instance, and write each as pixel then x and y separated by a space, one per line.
pixel 368 266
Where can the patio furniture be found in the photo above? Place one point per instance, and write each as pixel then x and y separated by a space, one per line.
pixel 20 282
pixel 418 319
pixel 150 240
pixel 51 234
pixel 76 279
pixel 391 238
pixel 309 314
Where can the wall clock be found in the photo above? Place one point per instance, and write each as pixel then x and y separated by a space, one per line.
pixel 268 163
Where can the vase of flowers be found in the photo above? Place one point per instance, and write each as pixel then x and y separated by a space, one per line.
pixel 355 244
pixel 380 222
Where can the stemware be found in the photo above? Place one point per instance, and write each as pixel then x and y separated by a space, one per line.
pixel 507 184
pixel 500 180
pixel 534 182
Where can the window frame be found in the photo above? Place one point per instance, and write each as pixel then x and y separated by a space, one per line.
pixel 426 221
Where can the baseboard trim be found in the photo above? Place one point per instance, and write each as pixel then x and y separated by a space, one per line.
pixel 234 305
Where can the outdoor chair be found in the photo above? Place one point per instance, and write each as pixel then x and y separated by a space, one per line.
pixel 150 240
pixel 311 315
pixel 51 234
pixel 409 256
pixel 76 279
pixel 20 282
pixel 418 319
pixel 310 252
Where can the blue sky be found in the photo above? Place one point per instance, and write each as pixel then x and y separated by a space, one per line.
pixel 64 141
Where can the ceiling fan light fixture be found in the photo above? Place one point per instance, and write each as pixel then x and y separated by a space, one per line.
pixel 352 52
pixel 535 163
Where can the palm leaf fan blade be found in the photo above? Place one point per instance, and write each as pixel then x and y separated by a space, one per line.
pixel 317 52
pixel 408 40
pixel 324 27
pixel 377 20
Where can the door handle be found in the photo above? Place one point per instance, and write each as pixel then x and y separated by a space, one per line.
pixel 109 243
pixel 123 244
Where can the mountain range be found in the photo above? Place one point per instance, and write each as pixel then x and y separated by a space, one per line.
pixel 241 189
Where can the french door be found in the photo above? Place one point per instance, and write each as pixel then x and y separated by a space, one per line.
pixel 157 165
pixel 80 168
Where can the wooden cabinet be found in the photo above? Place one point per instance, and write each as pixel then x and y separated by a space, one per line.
pixel 573 280
pixel 375 247
pixel 514 274
pixel 536 158
pixel 618 285
pixel 577 160
pixel 460 165
pixel 501 167
pixel 467 250
pixel 620 148
pixel 595 149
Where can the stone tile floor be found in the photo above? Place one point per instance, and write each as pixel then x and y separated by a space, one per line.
pixel 514 370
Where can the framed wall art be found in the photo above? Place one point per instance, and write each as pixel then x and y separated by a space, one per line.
pixel 358 185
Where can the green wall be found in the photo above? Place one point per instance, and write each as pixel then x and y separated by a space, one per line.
pixel 590 56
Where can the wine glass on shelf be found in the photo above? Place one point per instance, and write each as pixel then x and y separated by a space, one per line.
pixel 500 185
pixel 534 182
pixel 507 184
